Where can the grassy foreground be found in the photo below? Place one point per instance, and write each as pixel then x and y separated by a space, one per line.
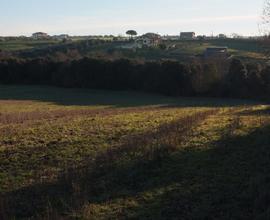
pixel 81 154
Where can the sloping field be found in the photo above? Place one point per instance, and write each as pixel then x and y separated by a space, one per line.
pixel 82 154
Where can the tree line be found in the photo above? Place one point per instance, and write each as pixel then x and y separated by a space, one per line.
pixel 163 77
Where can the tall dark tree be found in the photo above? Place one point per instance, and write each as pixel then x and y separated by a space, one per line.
pixel 131 33
pixel 254 81
pixel 264 28
pixel 237 79
pixel 265 76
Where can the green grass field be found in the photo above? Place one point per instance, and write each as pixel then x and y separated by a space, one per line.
pixel 18 45
pixel 241 48
pixel 83 154
pixel 245 49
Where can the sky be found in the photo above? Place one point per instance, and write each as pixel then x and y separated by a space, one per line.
pixel 102 17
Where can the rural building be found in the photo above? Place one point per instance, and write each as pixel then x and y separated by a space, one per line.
pixel 61 37
pixel 216 52
pixel 222 36
pixel 40 35
pixel 187 35
pixel 170 37
pixel 149 40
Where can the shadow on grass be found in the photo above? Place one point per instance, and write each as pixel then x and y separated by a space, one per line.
pixel 229 181
pixel 260 112
pixel 86 97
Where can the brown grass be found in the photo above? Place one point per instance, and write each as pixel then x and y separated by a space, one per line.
pixel 155 144
pixel 22 117
pixel 152 145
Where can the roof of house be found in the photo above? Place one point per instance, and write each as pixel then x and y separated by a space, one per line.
pixel 39 33
pixel 151 35
pixel 187 33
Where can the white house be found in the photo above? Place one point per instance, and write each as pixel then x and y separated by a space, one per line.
pixel 149 40
pixel 222 36
pixel 40 35
pixel 187 35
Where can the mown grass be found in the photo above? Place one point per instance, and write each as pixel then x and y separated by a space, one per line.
pixel 17 45
pixel 81 154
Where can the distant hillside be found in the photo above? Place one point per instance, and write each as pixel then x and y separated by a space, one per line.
pixel 96 48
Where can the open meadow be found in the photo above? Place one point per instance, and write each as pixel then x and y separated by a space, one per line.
pixel 85 154
pixel 183 50
pixel 18 45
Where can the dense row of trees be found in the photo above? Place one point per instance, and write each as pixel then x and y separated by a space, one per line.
pixel 167 77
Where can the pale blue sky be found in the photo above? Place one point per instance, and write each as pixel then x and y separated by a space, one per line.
pixel 88 17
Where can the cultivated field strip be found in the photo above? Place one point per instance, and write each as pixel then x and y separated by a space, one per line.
pixel 155 143
pixel 167 135
pixel 150 145
pixel 85 124
pixel 176 149
pixel 21 117
pixel 210 140
pixel 39 152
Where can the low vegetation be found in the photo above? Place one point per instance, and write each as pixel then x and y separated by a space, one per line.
pixel 231 78
pixel 25 44
pixel 84 154
pixel 110 48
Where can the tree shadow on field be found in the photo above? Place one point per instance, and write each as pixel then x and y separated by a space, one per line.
pixel 86 97
pixel 258 112
pixel 229 181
